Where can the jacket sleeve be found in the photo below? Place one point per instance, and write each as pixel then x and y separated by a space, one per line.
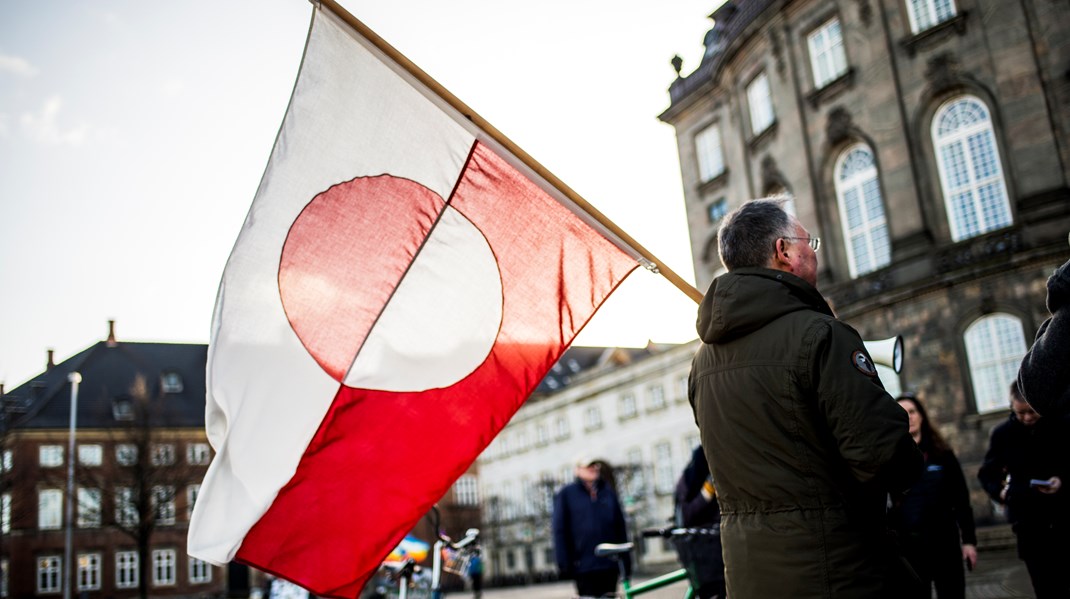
pixel 994 467
pixel 1043 376
pixel 869 427
pixel 960 500
pixel 562 535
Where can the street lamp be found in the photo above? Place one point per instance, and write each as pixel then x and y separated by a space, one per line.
pixel 75 379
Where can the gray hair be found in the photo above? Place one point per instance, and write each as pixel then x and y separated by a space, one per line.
pixel 747 237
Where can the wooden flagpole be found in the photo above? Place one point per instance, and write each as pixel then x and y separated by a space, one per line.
pixel 523 156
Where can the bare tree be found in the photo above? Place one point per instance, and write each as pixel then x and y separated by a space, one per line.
pixel 146 479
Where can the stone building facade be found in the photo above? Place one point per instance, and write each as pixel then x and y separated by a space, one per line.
pixel 926 142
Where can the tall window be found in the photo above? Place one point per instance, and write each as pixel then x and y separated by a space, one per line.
pixel 664 472
pixel 858 192
pixel 761 104
pixel 192 492
pixel 125 507
pixel 126 567
pixel 49 509
pixel 592 418
pixel 466 490
pixel 88 571
pixel 926 13
pixel 5 568
pixel 561 428
pixel 49 574
pixel 88 508
pixel 199 571
pixel 708 149
pixel 627 406
pixel 971 174
pixel 995 345
pixel 827 56
pixel 657 397
pixel 5 513
pixel 163 503
pixel 163 567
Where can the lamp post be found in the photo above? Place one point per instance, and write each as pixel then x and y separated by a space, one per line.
pixel 75 379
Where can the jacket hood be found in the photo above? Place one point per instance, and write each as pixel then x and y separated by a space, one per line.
pixel 747 299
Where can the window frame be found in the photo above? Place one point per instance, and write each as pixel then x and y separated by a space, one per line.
pixel 827 52
pixel 50 455
pixel 164 561
pixel 89 507
pixel 128 563
pixel 90 454
pixel 51 566
pixel 54 515
pixel 857 183
pixel 963 135
pixel 768 114
pixel 709 152
pixel 90 564
pixel 993 395
pixel 914 19
pixel 200 571
pixel 198 454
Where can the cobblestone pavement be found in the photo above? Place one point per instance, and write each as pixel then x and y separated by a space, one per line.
pixel 999 575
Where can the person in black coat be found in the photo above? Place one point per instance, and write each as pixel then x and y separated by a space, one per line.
pixel 933 519
pixel 1043 377
pixel 586 513
pixel 696 507
pixel 1027 461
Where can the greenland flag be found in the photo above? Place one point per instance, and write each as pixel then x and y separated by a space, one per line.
pixel 401 284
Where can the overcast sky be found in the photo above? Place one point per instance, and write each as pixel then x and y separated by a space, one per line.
pixel 133 134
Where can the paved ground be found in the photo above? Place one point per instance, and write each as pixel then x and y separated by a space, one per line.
pixel 999 575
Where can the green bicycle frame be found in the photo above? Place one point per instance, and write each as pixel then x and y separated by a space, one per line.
pixel 656 583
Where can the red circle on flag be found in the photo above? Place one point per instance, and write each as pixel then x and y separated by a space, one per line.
pixel 343 258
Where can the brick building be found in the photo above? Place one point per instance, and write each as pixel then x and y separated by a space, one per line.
pixel 926 142
pixel 140 454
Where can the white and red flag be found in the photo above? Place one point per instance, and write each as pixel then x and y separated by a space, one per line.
pixel 401 284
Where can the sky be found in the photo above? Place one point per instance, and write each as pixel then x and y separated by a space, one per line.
pixel 133 135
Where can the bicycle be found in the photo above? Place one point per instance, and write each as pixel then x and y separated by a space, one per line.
pixel 461 552
pixel 629 591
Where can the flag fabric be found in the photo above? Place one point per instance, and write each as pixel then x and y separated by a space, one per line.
pixel 401 284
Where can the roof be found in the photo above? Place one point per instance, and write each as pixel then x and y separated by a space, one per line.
pixel 730 30
pixel 108 372
pixel 579 361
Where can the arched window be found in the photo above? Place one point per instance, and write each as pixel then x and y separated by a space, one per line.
pixel 971 174
pixel 995 345
pixel 858 193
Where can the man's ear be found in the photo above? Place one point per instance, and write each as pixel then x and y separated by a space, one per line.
pixel 780 253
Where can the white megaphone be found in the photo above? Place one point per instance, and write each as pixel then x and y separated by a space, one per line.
pixel 887 352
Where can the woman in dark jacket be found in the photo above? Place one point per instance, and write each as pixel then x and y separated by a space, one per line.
pixel 933 518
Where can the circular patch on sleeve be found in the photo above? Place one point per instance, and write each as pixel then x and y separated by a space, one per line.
pixel 861 361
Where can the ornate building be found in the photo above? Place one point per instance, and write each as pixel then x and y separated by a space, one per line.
pixel 926 142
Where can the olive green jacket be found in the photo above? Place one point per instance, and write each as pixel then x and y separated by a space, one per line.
pixel 803 441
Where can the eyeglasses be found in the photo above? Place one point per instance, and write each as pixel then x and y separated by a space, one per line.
pixel 814 242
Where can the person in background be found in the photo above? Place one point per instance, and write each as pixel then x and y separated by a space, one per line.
pixel 586 513
pixel 475 572
pixel 696 506
pixel 1027 461
pixel 934 519
pixel 1044 377
pixel 803 441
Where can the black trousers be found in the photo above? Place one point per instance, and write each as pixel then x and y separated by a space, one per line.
pixel 1044 549
pixel 596 583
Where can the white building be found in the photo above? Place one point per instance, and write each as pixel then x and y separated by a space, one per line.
pixel 627 407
